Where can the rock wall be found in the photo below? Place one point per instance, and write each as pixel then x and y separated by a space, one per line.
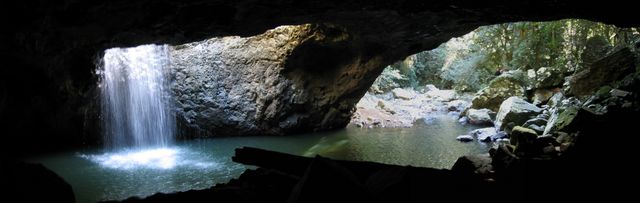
pixel 289 79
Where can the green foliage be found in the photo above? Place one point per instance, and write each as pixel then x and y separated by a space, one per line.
pixel 468 63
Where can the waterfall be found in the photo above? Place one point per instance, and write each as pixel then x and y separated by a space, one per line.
pixel 135 99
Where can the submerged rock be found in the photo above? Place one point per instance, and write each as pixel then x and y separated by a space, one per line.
pixel 464 138
pixel 498 90
pixel 515 110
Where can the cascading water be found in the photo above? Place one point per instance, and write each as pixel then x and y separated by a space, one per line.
pixel 135 102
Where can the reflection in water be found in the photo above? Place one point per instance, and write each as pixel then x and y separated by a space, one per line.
pixel 198 164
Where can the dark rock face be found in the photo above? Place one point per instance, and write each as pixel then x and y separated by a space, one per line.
pixel 266 85
pixel 24 182
pixel 50 50
pixel 600 73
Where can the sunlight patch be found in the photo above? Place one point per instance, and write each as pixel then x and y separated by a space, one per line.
pixel 160 158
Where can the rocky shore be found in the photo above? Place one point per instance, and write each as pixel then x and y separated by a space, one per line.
pixel 402 107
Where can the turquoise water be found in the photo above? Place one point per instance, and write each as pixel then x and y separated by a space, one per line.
pixel 197 164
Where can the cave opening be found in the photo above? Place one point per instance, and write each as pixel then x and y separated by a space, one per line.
pixel 531 97
pixel 425 111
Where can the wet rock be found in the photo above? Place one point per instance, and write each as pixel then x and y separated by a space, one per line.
pixel 604 71
pixel 403 93
pixel 480 116
pixel 464 138
pixel 484 134
pixel 463 120
pixel 499 136
pixel 498 90
pixel 515 110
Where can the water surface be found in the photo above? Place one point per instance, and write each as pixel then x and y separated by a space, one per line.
pixel 197 164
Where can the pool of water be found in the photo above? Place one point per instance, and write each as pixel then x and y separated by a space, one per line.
pixel 197 164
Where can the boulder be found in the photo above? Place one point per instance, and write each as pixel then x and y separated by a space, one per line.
pixel 465 138
pixel 539 129
pixel 524 139
pixel 473 165
pixel 484 134
pixel 430 87
pixel 515 110
pixel 498 90
pixel 480 116
pixel 574 118
pixel 555 99
pixel 561 121
pixel 442 95
pixel 541 96
pixel 596 47
pixel 536 121
pixel 611 68
pixel 546 77
pixel 403 93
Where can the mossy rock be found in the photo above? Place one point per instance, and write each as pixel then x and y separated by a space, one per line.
pixel 498 90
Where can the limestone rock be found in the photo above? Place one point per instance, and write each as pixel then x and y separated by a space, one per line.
pixel 403 93
pixel 515 110
pixel 260 84
pixel 498 90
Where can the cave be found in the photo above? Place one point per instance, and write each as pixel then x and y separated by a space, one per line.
pixel 313 85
